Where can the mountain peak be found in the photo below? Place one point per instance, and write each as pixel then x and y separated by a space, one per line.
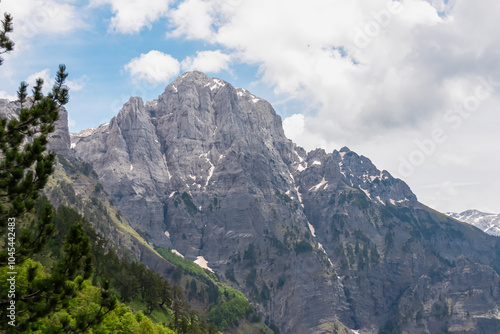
pixel 207 171
pixel 193 76
pixel 345 149
pixel 197 78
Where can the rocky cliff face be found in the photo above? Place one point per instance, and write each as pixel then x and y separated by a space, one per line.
pixel 397 259
pixel 8 109
pixel 487 222
pixel 313 239
pixel 59 140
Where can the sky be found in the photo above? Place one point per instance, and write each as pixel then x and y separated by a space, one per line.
pixel 414 85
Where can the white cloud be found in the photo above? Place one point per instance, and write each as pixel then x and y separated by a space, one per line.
pixel 193 19
pixel 155 67
pixel 77 84
pixel 48 81
pixel 35 17
pixel 370 72
pixel 207 61
pixel 294 126
pixel 313 54
pixel 5 95
pixel 313 51
pixel 295 129
pixel 130 16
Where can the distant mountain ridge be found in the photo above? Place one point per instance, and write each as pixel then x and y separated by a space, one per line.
pixel 487 222
pixel 316 240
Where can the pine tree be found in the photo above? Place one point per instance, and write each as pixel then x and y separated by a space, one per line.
pixel 165 294
pixel 25 167
pixel 179 308
pixel 151 295
pixel 24 163
pixel 6 44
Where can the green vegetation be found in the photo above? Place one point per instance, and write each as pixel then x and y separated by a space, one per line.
pixel 229 313
pixel 276 243
pixel 215 205
pixel 281 281
pixel 374 255
pixel 389 240
pixel 360 200
pixel 391 326
pixel 302 247
pixel 251 255
pixel 251 278
pixel 331 202
pixel 6 44
pixel 230 275
pixel 134 284
pixel 84 311
pixel 25 167
pixel 188 266
pixel 350 254
pixel 86 307
pixel 356 198
pixel 401 213
pixel 439 310
pixel 188 202
pixel 227 307
pixel 339 221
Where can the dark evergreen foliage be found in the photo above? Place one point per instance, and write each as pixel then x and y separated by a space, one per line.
pixel 6 44
pixel 25 167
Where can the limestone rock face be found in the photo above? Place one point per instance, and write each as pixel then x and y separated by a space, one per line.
pixel 9 109
pixel 313 238
pixel 59 140
pixel 127 156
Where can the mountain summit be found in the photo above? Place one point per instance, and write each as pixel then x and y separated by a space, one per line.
pixel 316 240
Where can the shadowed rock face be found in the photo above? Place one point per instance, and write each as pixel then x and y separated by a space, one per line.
pixel 312 238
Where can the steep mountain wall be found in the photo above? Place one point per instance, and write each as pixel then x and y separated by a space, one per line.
pixel 313 238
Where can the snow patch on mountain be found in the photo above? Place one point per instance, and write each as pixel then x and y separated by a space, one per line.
pixel 176 252
pixel 323 184
pixel 217 83
pixel 311 229
pixel 200 260
pixel 487 222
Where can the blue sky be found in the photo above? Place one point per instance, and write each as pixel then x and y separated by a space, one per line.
pixel 412 84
